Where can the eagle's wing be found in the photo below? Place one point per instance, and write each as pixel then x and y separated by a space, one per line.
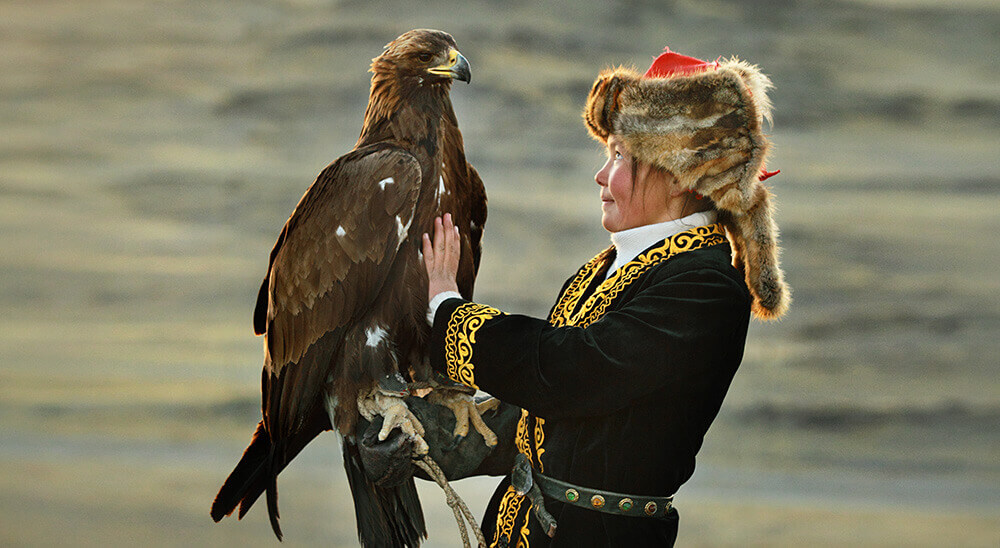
pixel 462 183
pixel 327 267
pixel 478 223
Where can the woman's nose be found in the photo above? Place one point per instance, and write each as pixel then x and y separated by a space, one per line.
pixel 601 177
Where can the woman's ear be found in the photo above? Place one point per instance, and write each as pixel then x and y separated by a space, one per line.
pixel 673 185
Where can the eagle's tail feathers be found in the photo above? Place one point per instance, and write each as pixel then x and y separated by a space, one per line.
pixel 248 471
pixel 272 493
pixel 257 471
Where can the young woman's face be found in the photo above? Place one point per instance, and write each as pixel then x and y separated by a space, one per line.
pixel 622 206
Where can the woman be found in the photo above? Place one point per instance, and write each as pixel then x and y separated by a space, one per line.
pixel 620 384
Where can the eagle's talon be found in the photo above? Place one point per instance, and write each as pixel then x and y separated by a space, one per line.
pixel 395 414
pixel 466 410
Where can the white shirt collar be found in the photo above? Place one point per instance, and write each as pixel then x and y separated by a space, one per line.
pixel 630 243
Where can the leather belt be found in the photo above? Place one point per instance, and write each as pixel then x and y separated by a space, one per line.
pixel 526 481
pixel 609 502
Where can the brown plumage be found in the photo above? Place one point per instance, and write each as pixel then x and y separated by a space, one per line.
pixel 345 294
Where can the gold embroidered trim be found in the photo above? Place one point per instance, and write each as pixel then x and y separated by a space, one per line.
pixel 689 240
pixel 539 439
pixel 564 308
pixel 459 338
pixel 510 505
pixel 522 440
pixel 525 533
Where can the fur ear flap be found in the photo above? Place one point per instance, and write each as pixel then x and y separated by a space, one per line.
pixel 756 82
pixel 603 101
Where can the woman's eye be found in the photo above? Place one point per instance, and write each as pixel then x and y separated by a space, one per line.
pixel 618 155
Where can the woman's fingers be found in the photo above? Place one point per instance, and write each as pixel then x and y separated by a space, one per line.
pixel 428 251
pixel 438 235
pixel 447 233
pixel 452 245
pixel 442 251
pixel 444 248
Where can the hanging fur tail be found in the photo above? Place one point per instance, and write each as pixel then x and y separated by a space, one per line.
pixel 754 236
pixel 387 516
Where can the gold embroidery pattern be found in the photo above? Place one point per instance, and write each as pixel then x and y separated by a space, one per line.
pixel 539 439
pixel 459 338
pixel 564 308
pixel 510 505
pixel 525 533
pixel 689 240
pixel 522 439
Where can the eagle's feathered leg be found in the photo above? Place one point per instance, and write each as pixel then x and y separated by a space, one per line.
pixel 387 514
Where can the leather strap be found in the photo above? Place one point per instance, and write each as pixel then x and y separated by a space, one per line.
pixel 609 502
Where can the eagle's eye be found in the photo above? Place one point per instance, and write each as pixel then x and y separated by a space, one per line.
pixel 425 57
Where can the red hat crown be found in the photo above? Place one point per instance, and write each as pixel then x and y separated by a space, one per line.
pixel 670 63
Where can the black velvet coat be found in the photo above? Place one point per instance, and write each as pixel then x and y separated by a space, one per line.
pixel 618 386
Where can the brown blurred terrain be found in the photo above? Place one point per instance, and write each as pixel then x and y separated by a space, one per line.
pixel 152 151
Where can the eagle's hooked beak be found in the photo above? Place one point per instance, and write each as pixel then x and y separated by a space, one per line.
pixel 457 67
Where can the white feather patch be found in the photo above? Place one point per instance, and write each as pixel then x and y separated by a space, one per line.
pixel 341 232
pixel 375 335
pixel 384 182
pixel 402 229
pixel 331 404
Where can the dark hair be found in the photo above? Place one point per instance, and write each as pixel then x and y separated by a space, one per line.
pixel 652 167
pixel 635 173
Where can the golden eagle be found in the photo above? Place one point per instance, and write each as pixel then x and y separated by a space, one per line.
pixel 344 300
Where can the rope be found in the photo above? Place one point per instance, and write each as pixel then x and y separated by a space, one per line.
pixel 458 506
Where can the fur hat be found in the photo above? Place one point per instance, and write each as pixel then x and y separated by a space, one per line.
pixel 702 123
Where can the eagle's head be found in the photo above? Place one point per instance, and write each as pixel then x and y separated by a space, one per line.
pixel 427 56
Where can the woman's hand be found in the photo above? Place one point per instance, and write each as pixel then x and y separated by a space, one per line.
pixel 441 257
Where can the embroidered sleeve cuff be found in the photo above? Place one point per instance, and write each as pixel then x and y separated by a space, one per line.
pixel 436 301
pixel 464 319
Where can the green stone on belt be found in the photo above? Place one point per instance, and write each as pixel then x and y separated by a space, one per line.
pixel 572 495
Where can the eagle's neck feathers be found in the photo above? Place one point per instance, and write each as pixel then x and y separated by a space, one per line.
pixel 406 110
pixel 415 116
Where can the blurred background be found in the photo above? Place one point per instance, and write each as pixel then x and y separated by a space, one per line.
pixel 152 149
